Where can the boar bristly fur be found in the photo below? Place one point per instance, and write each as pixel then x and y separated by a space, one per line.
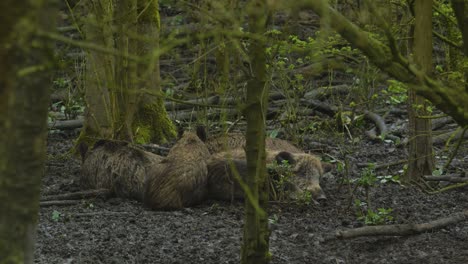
pixel 180 180
pixel 118 167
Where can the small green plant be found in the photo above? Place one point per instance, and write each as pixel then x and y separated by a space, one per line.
pixel 280 180
pixel 273 219
pixel 397 93
pixel 56 215
pixel 305 198
pixel 371 217
pixel 389 178
pixel 368 177
pixel 273 133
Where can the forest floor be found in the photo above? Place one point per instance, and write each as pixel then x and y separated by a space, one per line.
pixel 123 231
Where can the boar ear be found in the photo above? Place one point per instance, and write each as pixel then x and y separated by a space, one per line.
pixel 180 132
pixel 82 148
pixel 327 167
pixel 284 155
pixel 201 133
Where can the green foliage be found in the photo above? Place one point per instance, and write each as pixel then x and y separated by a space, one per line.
pixel 397 93
pixel 389 178
pixel 273 133
pixel 273 219
pixel 56 215
pixel 367 177
pixel 279 182
pixel 438 171
pixel 70 107
pixel 371 217
pixel 305 198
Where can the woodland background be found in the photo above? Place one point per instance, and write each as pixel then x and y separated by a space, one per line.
pixel 379 88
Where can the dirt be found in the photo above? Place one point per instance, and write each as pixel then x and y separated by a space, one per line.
pixel 117 230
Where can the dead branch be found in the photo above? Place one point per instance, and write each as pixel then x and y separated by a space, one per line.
pixel 77 195
pixel 320 106
pixel 321 92
pixel 103 213
pixel 66 124
pixel 378 121
pixel 402 229
pixel 381 166
pixel 453 135
pixel 63 202
pixel 171 105
pixel 441 122
pixel 447 178
pixel 450 187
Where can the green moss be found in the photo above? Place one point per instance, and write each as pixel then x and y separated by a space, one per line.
pixel 153 117
pixel 142 134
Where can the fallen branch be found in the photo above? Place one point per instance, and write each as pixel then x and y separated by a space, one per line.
pixel 378 121
pixel 64 202
pixel 103 213
pixel 448 178
pixel 450 187
pixel 402 229
pixel 451 135
pixel 381 166
pixel 66 124
pixel 77 195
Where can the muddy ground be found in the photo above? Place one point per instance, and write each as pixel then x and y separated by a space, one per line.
pixel 123 231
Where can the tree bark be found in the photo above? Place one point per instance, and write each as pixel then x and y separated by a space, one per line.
pixel 255 248
pixel 152 117
pixel 117 107
pixel 421 159
pixel 24 96
pixel 100 70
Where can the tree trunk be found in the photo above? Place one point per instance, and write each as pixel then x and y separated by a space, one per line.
pixel 125 15
pixel 99 77
pixel 117 108
pixel 152 121
pixel 255 247
pixel 421 159
pixel 24 95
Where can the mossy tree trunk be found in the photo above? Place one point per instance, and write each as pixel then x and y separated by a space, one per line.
pixel 255 247
pixel 421 159
pixel 152 121
pixel 24 96
pixel 118 108
pixel 125 16
pixel 99 82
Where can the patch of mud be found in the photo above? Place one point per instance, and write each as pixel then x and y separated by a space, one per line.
pixel 123 231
